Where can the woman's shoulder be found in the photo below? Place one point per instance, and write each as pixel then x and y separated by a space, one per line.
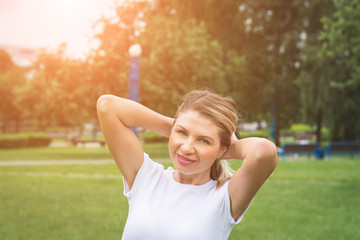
pixel 149 174
pixel 150 166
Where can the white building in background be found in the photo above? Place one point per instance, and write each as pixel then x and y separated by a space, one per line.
pixel 21 56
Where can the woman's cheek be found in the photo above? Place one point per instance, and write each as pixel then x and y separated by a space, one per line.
pixel 173 143
pixel 208 154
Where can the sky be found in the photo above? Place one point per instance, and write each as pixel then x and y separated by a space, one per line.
pixel 48 23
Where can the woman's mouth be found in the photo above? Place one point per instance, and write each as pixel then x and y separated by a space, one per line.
pixel 184 160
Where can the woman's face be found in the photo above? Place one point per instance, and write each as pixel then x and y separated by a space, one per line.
pixel 194 145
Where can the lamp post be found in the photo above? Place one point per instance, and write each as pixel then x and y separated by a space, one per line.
pixel 134 74
pixel 272 122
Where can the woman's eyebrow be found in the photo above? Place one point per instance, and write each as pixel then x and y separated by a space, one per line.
pixel 180 126
pixel 200 136
pixel 207 137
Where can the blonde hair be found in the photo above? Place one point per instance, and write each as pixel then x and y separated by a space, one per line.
pixel 222 111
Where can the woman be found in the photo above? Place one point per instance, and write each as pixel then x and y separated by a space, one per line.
pixel 200 198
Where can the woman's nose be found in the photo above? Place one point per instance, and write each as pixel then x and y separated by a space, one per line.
pixel 187 146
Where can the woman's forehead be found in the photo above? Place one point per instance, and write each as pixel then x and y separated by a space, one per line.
pixel 193 121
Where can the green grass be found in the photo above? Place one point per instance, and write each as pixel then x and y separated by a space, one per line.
pixel 61 208
pixel 156 150
pixel 301 200
pixel 59 153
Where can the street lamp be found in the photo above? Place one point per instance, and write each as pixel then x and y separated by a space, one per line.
pixel 134 74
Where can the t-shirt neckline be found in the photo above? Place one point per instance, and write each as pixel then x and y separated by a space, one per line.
pixel 208 185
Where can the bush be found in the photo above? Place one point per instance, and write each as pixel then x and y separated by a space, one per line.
pixel 38 140
pixel 24 140
pixel 258 133
pixel 325 134
pixel 13 142
pixel 153 137
pixel 297 130
pixel 300 127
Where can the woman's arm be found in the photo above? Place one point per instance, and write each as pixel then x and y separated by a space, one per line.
pixel 260 159
pixel 116 116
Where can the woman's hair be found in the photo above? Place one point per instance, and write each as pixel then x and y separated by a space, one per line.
pixel 222 111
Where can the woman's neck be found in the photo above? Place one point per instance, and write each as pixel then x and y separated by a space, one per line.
pixel 193 179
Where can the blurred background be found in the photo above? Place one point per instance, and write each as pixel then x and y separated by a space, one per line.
pixel 285 63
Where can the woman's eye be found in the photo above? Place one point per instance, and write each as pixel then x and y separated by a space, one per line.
pixel 203 140
pixel 181 132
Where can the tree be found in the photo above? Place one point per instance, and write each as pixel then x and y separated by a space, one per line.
pixel 270 46
pixel 57 94
pixel 341 41
pixel 265 35
pixel 11 80
pixel 178 55
pixel 315 68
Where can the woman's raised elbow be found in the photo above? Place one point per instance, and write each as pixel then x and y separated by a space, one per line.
pixel 103 104
pixel 267 153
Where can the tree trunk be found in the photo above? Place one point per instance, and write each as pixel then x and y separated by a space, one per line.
pixel 277 118
pixel 17 126
pixel 3 127
pixel 277 132
pixel 81 130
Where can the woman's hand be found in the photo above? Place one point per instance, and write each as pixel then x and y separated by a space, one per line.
pixel 230 152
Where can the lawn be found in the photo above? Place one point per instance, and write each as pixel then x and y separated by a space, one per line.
pixel 157 150
pixel 302 200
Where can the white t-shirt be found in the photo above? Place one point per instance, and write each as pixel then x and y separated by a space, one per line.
pixel 161 208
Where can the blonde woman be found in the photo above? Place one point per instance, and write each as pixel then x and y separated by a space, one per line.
pixel 199 198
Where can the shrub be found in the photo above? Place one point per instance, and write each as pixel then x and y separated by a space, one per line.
pixel 325 134
pixel 24 140
pixel 12 142
pixel 297 130
pixel 258 133
pixel 300 127
pixel 153 137
pixel 38 140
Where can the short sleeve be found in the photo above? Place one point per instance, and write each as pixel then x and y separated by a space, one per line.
pixel 147 167
pixel 229 220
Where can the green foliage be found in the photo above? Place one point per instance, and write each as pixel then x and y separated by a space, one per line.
pixel 299 58
pixel 325 133
pixel 299 130
pixel 258 133
pixel 24 140
pixel 300 127
pixel 11 81
pixel 57 94
pixel 183 60
pixel 341 41
pixel 13 142
pixel 152 137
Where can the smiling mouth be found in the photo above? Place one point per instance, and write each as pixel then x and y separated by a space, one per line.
pixel 184 160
